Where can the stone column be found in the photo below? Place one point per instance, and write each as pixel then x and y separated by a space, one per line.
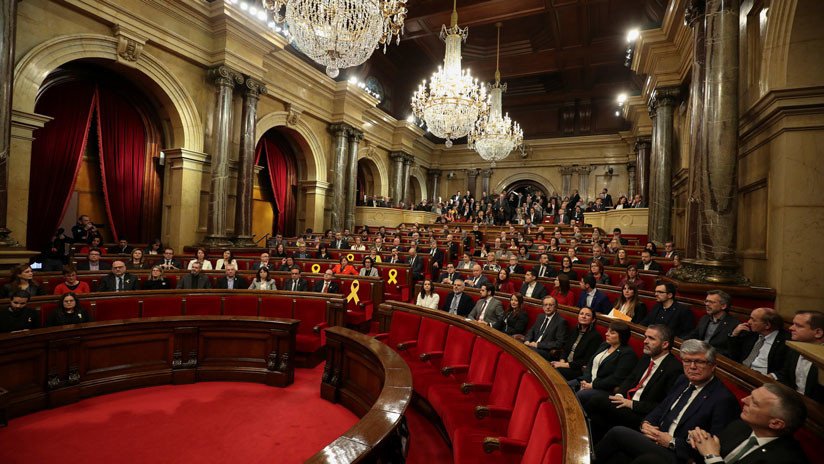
pixel 472 181
pixel 661 106
pixel 8 27
pixel 434 179
pixel 396 185
pixel 252 90
pixel 631 179
pixel 642 151
pixel 694 17
pixel 340 132
pixel 486 175
pixel 583 181
pixel 225 80
pixel 566 179
pixel 408 160
pixel 355 136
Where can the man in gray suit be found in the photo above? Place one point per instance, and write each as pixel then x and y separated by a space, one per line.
pixel 487 309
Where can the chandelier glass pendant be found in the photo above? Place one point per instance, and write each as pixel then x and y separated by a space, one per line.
pixel 454 101
pixel 495 136
pixel 340 33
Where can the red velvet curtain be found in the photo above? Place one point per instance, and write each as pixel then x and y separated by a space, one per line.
pixel 122 148
pixel 283 176
pixel 56 156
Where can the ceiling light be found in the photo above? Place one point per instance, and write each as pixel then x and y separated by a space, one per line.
pixel 633 35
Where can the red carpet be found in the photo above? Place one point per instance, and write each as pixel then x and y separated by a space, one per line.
pixel 210 422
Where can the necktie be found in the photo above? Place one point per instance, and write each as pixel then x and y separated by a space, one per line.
pixel 119 284
pixel 632 391
pixel 455 300
pixel 168 262
pixel 754 353
pixel 325 287
pixel 543 328
pixel 670 416
pixel 748 446
pixel 230 284
pixel 483 310
pixel 541 272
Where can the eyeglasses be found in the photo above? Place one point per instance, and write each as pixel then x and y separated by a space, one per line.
pixel 660 292
pixel 696 362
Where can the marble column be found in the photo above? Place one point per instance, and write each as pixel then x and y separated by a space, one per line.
pixel 252 90
pixel 8 26
pixel 434 180
pixel 583 181
pixel 472 181
pixel 566 179
pixel 642 151
pixel 631 179
pixel 225 80
pixel 355 136
pixel 486 175
pixel 340 133
pixel 408 161
pixel 396 185
pixel 694 17
pixel 661 106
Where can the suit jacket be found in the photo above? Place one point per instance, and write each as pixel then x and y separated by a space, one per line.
pixel 416 267
pixel 549 272
pixel 240 283
pixel 452 277
pixel 464 305
pixel 613 370
pixel 587 347
pixel 175 263
pixel 513 324
pixel 678 318
pixel 480 282
pixel 341 244
pixel 301 285
pixel 786 375
pixel 783 450
pixel 452 252
pixel 554 335
pixel 304 255
pixel 334 287
pixel 194 282
pixel 494 311
pixel 741 346
pixel 712 410
pixel 517 269
pixel 84 266
pixel 653 266
pixel 722 333
pixel 116 250
pixel 539 292
pixel 438 258
pixel 658 386
pixel 600 302
pixel 108 284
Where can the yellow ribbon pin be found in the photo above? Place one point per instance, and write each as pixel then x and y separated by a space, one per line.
pixel 350 257
pixel 393 273
pixel 353 292
pixel 315 268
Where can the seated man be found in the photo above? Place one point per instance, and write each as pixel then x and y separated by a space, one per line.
pixel 543 269
pixel 593 298
pixel 514 267
pixel 93 263
pixel 548 335
pixel 798 372
pixel 232 281
pixel 327 285
pixel 18 316
pixel 477 279
pixel 764 434
pixel 531 287
pixel 716 326
pixel 194 279
pixel 415 264
pixel 759 343
pixel 487 309
pixel 449 275
pixel 457 302
pixel 122 248
pixel 264 263
pixel 302 253
pixel 647 263
pixel 668 312
pixel 698 399
pixel 118 280
pixel 296 283
pixel 169 262
pixel 395 258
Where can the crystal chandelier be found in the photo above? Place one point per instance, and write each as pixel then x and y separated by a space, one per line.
pixel 340 33
pixel 495 136
pixel 453 101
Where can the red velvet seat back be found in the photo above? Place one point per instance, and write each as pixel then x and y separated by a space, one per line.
pixel 404 327
pixel 431 336
pixel 116 308
pixel 241 305
pixel 46 310
pixel 545 433
pixel 532 312
pixel 507 379
pixel 203 305
pixel 276 306
pixel 485 356
pixel 530 396
pixel 310 313
pixel 637 345
pixel 458 348
pixel 162 306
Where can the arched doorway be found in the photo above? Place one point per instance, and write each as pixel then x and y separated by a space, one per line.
pixel 368 180
pixel 98 156
pixel 275 203
pixel 415 193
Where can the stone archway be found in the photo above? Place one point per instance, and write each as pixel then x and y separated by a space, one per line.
pixel 369 179
pixel 529 178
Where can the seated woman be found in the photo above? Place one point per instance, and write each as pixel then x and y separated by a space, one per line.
pixel 427 297
pixel 652 248
pixel 580 345
pixel 22 278
pixel 70 283
pixel 286 264
pixel 376 258
pixel 279 252
pixel 596 270
pixel 523 253
pixel 344 267
pixel 323 252
pixel 154 248
pixel 631 277
pixel 369 269
pixel 136 260
pixel 562 293
pixel 515 318
pixel 263 281
pixel 613 246
pixel 69 311
pixel 676 265
pixel 554 245
pixel 609 366
pixel 200 257
pixel 491 263
pixel 228 258
pixel 358 245
pixel 502 283
pixel 156 281
pixel 566 268
pixel 629 307
pixel 621 259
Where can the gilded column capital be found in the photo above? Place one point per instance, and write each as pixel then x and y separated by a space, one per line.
pixel 694 12
pixel 340 130
pixel 224 76
pixel 666 96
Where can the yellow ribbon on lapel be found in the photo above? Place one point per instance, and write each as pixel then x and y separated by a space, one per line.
pixel 315 268
pixel 393 274
pixel 353 292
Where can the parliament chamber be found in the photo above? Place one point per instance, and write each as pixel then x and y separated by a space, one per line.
pixel 584 233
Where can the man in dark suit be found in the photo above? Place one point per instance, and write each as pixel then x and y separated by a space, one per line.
pixel 548 335
pixel 436 258
pixel 543 269
pixel 93 263
pixel 648 384
pixel 458 302
pixel 647 263
pixel 263 263
pixel 668 312
pixel 169 262
pixel 122 248
pixel 564 217
pixel 451 249
pixel 616 234
pixel 514 267
pixel 487 309
pixel 698 399
pixel 296 283
pixel 395 257
pixel 118 280
pixel 716 326
pixel 477 279
pixel 759 343
pixel 763 435
pixel 231 280
pixel 606 197
pixel 593 298
pixel 339 242
pixel 415 264
pixel 798 372
pixel 302 253
pixel 531 287
pixel 327 285
pixel 450 275
pixel 194 279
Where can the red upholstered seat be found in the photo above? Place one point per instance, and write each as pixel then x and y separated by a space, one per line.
pixel 546 434
pixel 45 311
pixel 431 337
pixel 162 306
pixel 116 308
pixel 455 356
pixel 241 305
pixel 404 327
pixel 481 371
pixel 203 305
pixel 312 316
pixel 467 442
pixel 637 345
pixel 276 306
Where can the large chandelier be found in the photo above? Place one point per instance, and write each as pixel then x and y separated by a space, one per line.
pixel 340 33
pixel 495 136
pixel 453 101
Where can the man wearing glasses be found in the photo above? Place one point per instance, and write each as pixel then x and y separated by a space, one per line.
pixel 118 280
pixel 296 283
pixel 668 312
pixel 715 327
